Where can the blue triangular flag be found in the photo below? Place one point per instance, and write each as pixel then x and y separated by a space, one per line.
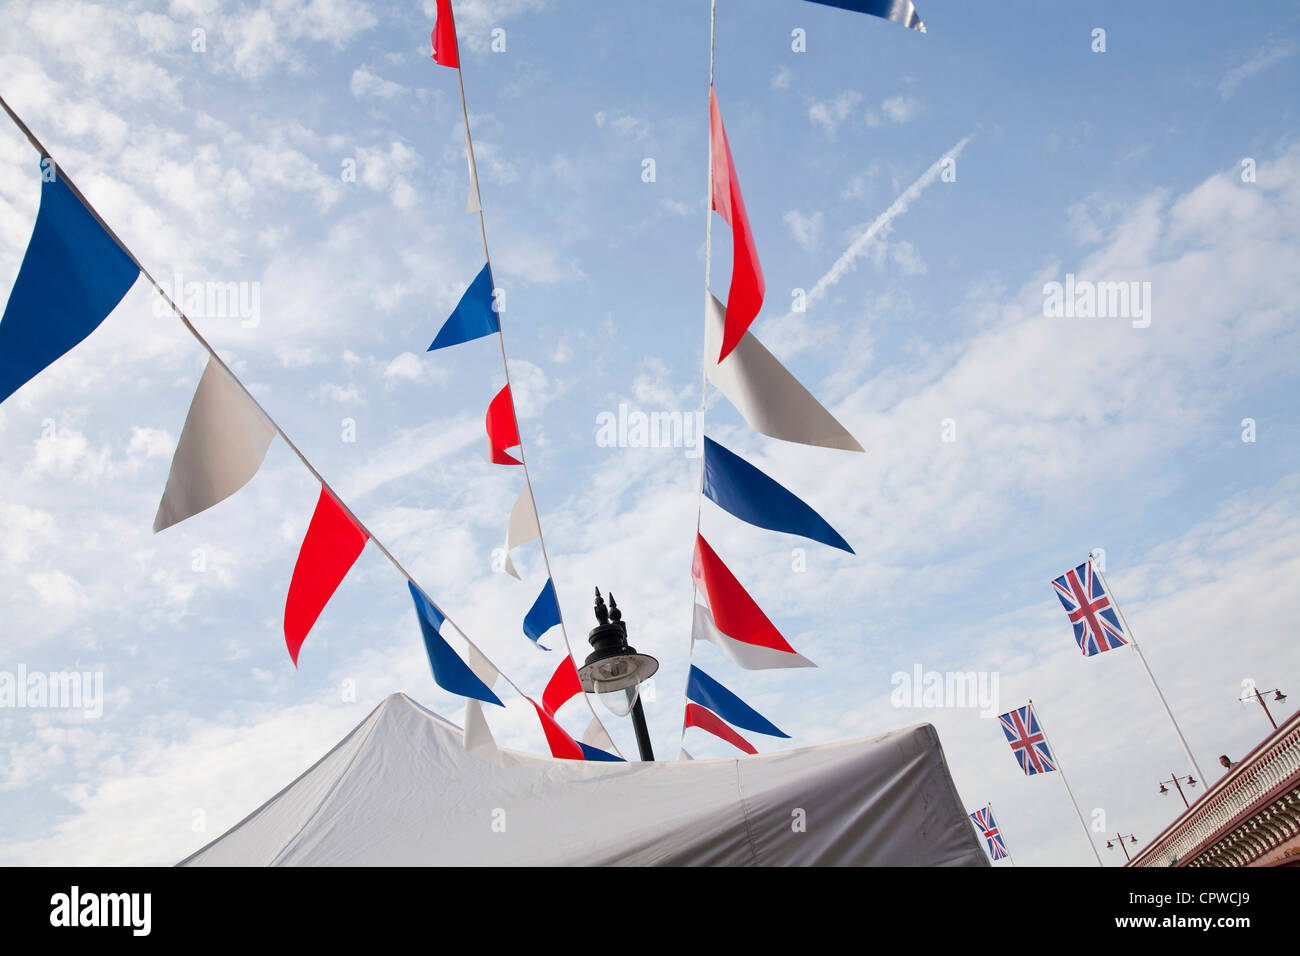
pixel 473 317
pixel 899 11
pixel 595 753
pixel 449 671
pixel 72 277
pixel 543 615
pixel 740 488
pixel 707 692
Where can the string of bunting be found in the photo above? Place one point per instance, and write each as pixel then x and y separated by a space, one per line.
pixel 477 315
pixel 73 275
pixel 774 404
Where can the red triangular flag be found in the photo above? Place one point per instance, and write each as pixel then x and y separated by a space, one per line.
pixel 502 428
pixel 445 49
pixel 563 687
pixel 747 287
pixel 561 744
pixel 705 719
pixel 734 612
pixel 332 545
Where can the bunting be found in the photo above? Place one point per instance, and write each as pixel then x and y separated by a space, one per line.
pixel 449 671
pixel 523 527
pixel 597 736
pixel 446 51
pixel 731 610
pixel 705 719
pixel 752 657
pixel 332 545
pixel 473 317
pixel 502 428
pixel 478 319
pixel 72 276
pixel 706 691
pixel 543 615
pixel 563 686
pixel 222 445
pixel 75 272
pixel 747 286
pixel 898 11
pixel 561 744
pixel 595 753
pixel 477 734
pixel 769 398
pixel 738 487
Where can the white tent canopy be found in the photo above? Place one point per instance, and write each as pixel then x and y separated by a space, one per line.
pixel 401 790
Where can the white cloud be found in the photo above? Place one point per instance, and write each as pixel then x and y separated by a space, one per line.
pixel 895 109
pixel 829 114
pixel 56 589
pixel 1270 54
pixel 150 443
pixel 407 367
pixel 366 85
pixel 806 230
pixel 626 125
pixel 333 393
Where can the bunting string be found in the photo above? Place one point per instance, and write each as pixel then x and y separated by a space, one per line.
pixel 768 397
pixel 446 39
pixel 704 360
pixel 326 488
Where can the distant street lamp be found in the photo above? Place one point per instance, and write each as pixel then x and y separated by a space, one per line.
pixel 1120 839
pixel 614 671
pixel 1278 697
pixel 1190 781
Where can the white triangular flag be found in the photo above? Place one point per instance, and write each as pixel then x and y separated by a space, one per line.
pixel 768 396
pixel 222 444
pixel 472 204
pixel 478 735
pixel 683 755
pixel 523 527
pixel 597 736
pixel 752 657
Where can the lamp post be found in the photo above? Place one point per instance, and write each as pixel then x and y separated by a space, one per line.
pixel 614 671
pixel 1190 781
pixel 1278 697
pixel 1120 839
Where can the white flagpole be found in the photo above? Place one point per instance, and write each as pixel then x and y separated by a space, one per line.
pixel 1092 846
pixel 1000 833
pixel 1128 631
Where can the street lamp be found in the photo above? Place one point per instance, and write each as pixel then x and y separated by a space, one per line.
pixel 1278 697
pixel 1190 781
pixel 614 671
pixel 1131 839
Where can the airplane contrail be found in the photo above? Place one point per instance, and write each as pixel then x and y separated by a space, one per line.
pixel 899 206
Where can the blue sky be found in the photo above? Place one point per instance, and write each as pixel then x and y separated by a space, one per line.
pixel 1071 434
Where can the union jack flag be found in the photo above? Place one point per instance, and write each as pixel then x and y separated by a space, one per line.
pixel 984 823
pixel 1092 611
pixel 1027 741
